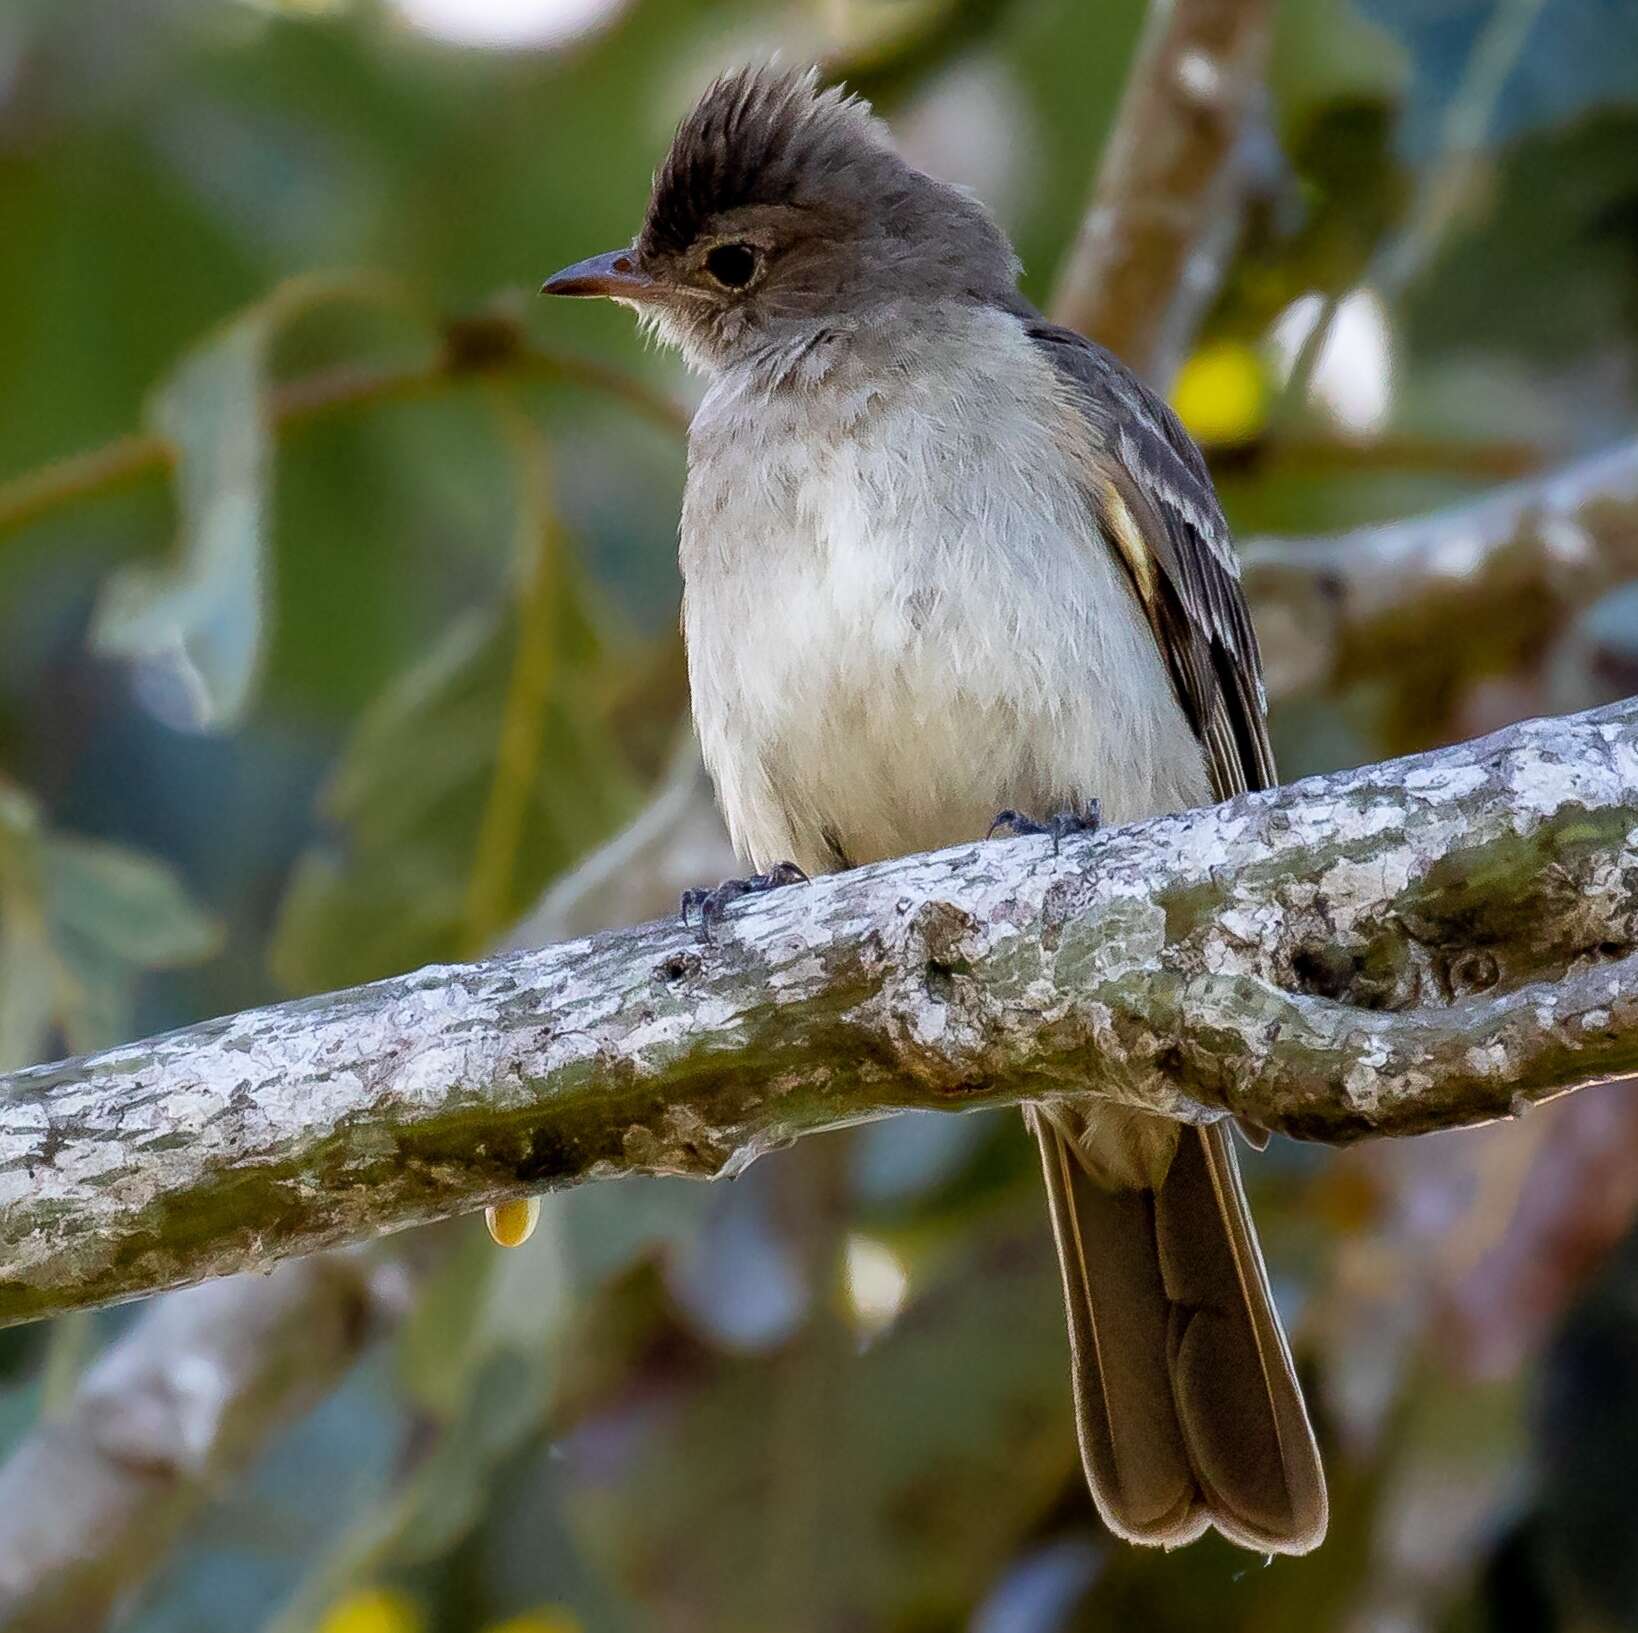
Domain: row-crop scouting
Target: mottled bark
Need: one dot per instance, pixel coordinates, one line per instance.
(1165, 202)
(1415, 945)
(1504, 572)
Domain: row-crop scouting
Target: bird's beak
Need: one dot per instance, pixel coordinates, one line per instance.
(613, 275)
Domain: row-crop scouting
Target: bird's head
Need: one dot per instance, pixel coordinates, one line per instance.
(781, 218)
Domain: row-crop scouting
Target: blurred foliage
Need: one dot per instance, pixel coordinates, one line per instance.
(83, 920)
(1547, 60)
(394, 646)
(415, 779)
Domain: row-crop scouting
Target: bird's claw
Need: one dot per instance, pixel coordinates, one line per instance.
(1087, 820)
(710, 904)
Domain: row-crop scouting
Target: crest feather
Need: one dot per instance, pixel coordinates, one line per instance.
(759, 135)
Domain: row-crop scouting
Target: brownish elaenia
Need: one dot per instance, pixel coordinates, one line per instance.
(945, 559)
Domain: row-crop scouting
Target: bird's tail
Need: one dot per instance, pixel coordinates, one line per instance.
(1186, 1403)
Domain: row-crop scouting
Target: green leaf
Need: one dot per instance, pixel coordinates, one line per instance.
(496, 1395)
(80, 919)
(481, 1301)
(441, 1343)
(197, 622)
(114, 912)
(132, 906)
(27, 991)
(504, 1408)
(474, 1359)
(609, 1227)
(409, 793)
(1484, 346)
(476, 1355)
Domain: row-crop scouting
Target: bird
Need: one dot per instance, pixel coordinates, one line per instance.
(947, 563)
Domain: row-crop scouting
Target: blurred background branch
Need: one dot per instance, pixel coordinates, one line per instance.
(1166, 204)
(91, 1499)
(1510, 568)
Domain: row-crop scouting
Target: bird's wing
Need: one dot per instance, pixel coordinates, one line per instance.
(1186, 1400)
(1156, 505)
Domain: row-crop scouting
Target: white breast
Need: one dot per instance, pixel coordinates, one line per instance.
(899, 616)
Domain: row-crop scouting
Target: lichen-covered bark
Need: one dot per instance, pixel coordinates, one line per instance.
(1501, 573)
(1413, 945)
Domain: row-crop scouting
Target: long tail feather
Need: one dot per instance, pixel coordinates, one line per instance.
(1186, 1402)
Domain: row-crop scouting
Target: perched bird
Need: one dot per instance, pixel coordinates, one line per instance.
(944, 559)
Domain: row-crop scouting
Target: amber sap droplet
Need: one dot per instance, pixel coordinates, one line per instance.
(513, 1223)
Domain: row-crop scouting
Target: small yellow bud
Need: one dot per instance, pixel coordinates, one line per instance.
(1221, 393)
(548, 1619)
(373, 1610)
(513, 1223)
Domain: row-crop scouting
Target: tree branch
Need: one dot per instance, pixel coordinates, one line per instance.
(1168, 184)
(1379, 599)
(1421, 944)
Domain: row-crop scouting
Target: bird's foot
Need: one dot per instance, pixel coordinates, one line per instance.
(1085, 820)
(710, 904)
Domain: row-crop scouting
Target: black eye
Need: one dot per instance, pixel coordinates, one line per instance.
(732, 265)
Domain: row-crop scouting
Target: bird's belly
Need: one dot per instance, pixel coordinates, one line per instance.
(899, 757)
(857, 710)
(894, 638)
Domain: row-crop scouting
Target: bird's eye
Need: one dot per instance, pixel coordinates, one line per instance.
(732, 265)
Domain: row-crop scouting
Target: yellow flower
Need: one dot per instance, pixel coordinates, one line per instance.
(1221, 393)
(548, 1619)
(374, 1610)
